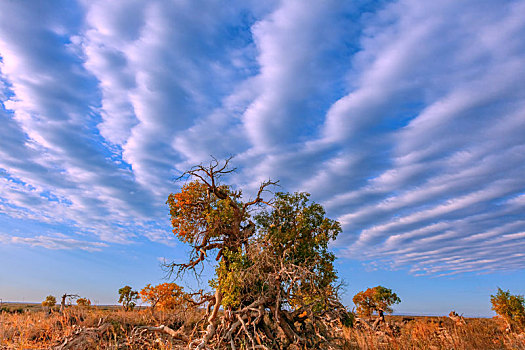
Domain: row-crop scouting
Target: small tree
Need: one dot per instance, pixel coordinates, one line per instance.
(165, 296)
(83, 302)
(378, 299)
(50, 301)
(510, 307)
(127, 297)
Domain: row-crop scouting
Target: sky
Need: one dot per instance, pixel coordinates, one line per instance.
(404, 119)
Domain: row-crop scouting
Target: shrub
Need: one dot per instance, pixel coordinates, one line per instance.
(510, 307)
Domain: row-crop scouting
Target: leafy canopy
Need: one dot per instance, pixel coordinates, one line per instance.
(510, 307)
(83, 302)
(50, 301)
(165, 296)
(127, 297)
(296, 233)
(378, 299)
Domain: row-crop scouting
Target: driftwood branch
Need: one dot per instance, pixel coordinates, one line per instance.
(458, 319)
(178, 334)
(83, 336)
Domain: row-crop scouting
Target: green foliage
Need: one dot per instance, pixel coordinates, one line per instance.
(127, 297)
(18, 310)
(296, 233)
(292, 238)
(198, 215)
(229, 277)
(50, 301)
(378, 299)
(348, 319)
(510, 307)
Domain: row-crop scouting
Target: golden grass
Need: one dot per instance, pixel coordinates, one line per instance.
(42, 330)
(436, 333)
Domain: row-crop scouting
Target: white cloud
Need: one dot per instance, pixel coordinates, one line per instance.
(404, 118)
(57, 242)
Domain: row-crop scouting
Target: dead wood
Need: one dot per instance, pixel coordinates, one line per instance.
(63, 301)
(84, 336)
(458, 319)
(177, 334)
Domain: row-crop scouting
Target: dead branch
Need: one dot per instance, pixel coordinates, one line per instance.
(458, 320)
(63, 301)
(83, 336)
(178, 334)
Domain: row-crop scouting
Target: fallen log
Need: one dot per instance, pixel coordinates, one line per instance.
(83, 336)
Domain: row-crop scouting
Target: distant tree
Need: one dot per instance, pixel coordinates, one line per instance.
(510, 307)
(83, 302)
(63, 300)
(127, 297)
(378, 299)
(50, 301)
(165, 296)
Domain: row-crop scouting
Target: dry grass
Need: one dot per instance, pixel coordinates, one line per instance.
(436, 333)
(41, 330)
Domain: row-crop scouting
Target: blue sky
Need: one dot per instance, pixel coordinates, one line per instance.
(405, 119)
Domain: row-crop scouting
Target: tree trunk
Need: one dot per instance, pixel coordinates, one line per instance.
(63, 303)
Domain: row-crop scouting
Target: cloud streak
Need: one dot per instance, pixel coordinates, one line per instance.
(404, 119)
(58, 242)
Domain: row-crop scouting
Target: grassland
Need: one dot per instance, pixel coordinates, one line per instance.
(29, 326)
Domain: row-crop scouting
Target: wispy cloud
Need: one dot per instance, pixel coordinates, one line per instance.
(57, 242)
(405, 119)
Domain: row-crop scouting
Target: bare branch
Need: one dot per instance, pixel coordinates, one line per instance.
(262, 188)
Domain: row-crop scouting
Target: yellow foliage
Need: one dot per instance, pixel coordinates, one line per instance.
(165, 296)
